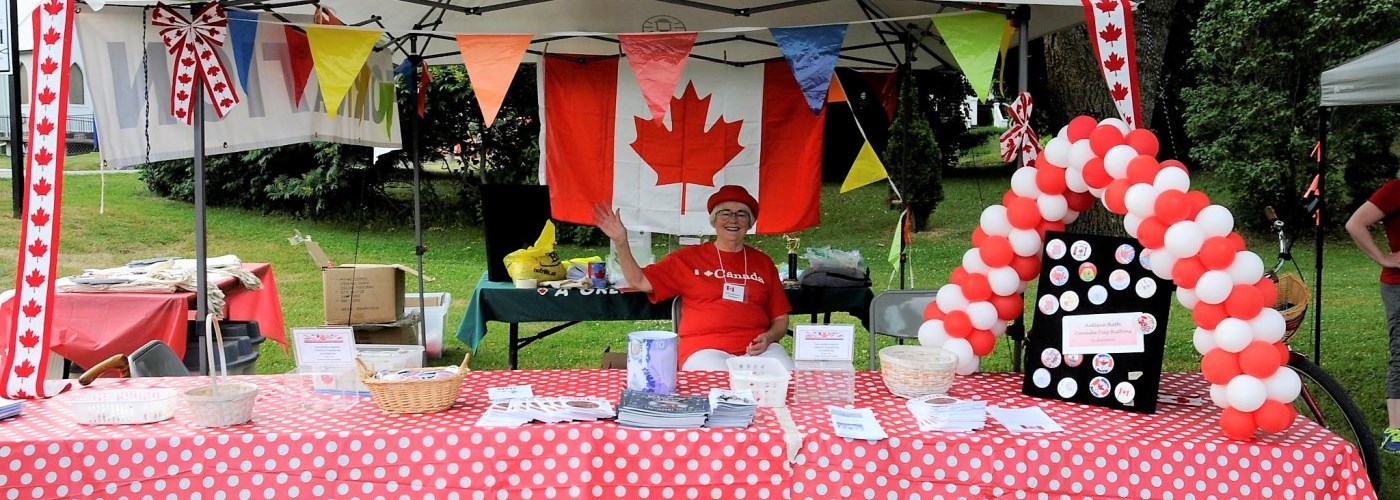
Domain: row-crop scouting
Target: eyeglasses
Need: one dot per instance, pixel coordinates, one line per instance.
(731, 214)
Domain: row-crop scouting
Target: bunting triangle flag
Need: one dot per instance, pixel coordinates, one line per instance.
(867, 169)
(838, 92)
(243, 34)
(895, 242)
(491, 62)
(299, 51)
(386, 101)
(657, 60)
(1007, 34)
(339, 53)
(811, 51)
(974, 39)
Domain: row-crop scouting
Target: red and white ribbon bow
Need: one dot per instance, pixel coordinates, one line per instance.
(193, 46)
(1020, 138)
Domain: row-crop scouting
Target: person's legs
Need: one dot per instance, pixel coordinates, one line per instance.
(707, 359)
(1390, 295)
(777, 352)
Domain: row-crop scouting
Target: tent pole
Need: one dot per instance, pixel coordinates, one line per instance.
(16, 120)
(418, 248)
(1322, 118)
(201, 278)
(1022, 18)
(909, 42)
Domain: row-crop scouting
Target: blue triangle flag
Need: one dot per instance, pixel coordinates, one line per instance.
(811, 52)
(408, 71)
(243, 34)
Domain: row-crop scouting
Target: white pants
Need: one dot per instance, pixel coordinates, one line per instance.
(713, 359)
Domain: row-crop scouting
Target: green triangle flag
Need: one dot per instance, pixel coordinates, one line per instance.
(386, 102)
(866, 169)
(974, 39)
(894, 244)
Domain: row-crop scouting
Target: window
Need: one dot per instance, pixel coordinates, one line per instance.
(75, 86)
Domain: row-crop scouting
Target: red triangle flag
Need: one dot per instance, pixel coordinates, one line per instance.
(657, 60)
(300, 49)
(491, 62)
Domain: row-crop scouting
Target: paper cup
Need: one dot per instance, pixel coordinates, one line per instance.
(526, 283)
(651, 361)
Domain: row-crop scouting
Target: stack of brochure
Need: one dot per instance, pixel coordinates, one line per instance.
(517, 412)
(938, 412)
(661, 411)
(10, 408)
(731, 408)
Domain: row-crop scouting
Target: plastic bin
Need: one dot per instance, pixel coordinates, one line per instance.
(824, 382)
(766, 377)
(346, 379)
(434, 318)
(241, 341)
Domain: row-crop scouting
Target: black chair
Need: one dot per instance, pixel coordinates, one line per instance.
(899, 314)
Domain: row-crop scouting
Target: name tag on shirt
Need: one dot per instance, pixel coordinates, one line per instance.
(734, 292)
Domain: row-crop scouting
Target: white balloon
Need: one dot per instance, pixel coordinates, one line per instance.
(1246, 393)
(994, 221)
(1217, 396)
(1057, 151)
(1004, 281)
(967, 361)
(1247, 269)
(1283, 386)
(1216, 220)
(932, 333)
(950, 298)
(1023, 183)
(1116, 161)
(1080, 153)
(1269, 325)
(1172, 178)
(998, 328)
(1214, 287)
(1140, 200)
(1023, 287)
(1097, 192)
(1070, 217)
(1187, 297)
(1116, 122)
(1025, 242)
(1162, 263)
(1233, 335)
(1184, 239)
(972, 261)
(1063, 132)
(1074, 180)
(1053, 207)
(1203, 339)
(1131, 223)
(982, 314)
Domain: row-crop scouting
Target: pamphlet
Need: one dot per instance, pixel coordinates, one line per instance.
(497, 394)
(824, 342)
(328, 346)
(1019, 420)
(856, 423)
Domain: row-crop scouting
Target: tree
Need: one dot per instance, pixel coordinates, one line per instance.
(914, 157)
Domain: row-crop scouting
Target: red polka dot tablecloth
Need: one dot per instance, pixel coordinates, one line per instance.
(1177, 453)
(362, 452)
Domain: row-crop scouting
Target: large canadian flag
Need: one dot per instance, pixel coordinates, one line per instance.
(749, 126)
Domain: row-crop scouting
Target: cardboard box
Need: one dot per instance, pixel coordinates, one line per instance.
(401, 332)
(363, 293)
(614, 359)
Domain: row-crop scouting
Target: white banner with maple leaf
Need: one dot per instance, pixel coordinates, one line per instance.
(26, 358)
(1110, 24)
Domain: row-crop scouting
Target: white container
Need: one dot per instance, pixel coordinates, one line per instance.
(346, 379)
(123, 406)
(824, 382)
(433, 318)
(766, 377)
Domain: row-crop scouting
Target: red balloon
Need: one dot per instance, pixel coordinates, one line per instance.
(1283, 353)
(1259, 359)
(1049, 225)
(1050, 179)
(1268, 291)
(958, 276)
(1095, 175)
(1143, 169)
(1218, 365)
(1023, 213)
(1080, 202)
(1237, 424)
(996, 251)
(982, 342)
(1275, 416)
(1174, 163)
(1217, 253)
(976, 288)
(1040, 159)
(977, 235)
(1198, 201)
(1152, 233)
(1007, 197)
(1080, 128)
(1113, 197)
(957, 324)
(1143, 140)
(1208, 316)
(932, 312)
(1027, 268)
(1104, 138)
(1171, 207)
(1008, 307)
(1187, 272)
(1236, 241)
(1244, 302)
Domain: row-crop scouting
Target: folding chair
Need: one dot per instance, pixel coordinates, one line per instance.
(899, 314)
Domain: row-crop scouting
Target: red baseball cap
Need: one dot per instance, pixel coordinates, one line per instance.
(733, 193)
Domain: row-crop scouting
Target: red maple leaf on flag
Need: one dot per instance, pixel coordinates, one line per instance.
(188, 61)
(206, 54)
(213, 71)
(1111, 33)
(225, 102)
(53, 7)
(1107, 5)
(219, 87)
(43, 157)
(42, 187)
(1119, 91)
(48, 66)
(44, 127)
(185, 78)
(51, 37)
(31, 309)
(190, 48)
(180, 113)
(21, 394)
(38, 248)
(29, 339)
(24, 369)
(47, 96)
(40, 218)
(687, 153)
(1114, 62)
(182, 95)
(34, 279)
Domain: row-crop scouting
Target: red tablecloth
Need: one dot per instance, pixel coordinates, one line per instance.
(90, 327)
(1177, 453)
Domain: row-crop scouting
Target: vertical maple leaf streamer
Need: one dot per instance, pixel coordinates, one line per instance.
(26, 359)
(1110, 25)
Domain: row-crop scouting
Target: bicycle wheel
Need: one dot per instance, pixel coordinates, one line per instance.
(1324, 401)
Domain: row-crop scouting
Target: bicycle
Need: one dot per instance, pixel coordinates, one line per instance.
(1322, 399)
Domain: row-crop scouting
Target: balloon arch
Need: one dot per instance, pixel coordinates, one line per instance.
(1189, 241)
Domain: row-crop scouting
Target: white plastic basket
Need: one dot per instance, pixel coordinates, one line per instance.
(766, 377)
(123, 406)
(229, 403)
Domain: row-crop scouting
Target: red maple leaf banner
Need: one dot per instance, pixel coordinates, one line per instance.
(48, 66)
(43, 157)
(34, 279)
(44, 127)
(1111, 33)
(1118, 91)
(1110, 28)
(29, 339)
(1107, 5)
(25, 369)
(42, 187)
(53, 7)
(38, 248)
(47, 96)
(51, 37)
(31, 309)
(1114, 62)
(687, 153)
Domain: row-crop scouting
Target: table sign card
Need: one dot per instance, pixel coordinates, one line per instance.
(823, 342)
(507, 393)
(1100, 324)
(328, 346)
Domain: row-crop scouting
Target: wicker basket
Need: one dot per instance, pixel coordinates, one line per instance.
(1292, 302)
(230, 404)
(911, 371)
(414, 396)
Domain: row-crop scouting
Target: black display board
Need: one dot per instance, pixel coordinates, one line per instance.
(513, 216)
(1095, 293)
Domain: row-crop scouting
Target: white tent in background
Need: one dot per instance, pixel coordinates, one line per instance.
(1372, 78)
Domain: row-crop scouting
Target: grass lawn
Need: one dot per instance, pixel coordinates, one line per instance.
(137, 225)
(90, 161)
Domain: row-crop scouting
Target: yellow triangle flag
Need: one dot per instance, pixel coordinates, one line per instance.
(895, 243)
(1006, 35)
(491, 62)
(836, 93)
(974, 38)
(866, 169)
(338, 54)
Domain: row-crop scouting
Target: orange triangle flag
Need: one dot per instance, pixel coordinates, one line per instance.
(491, 62)
(658, 59)
(837, 93)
